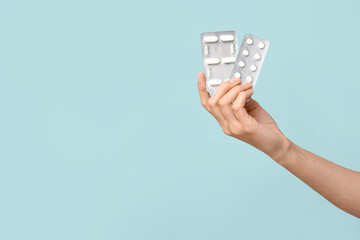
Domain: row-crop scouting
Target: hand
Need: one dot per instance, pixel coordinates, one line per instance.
(246, 121)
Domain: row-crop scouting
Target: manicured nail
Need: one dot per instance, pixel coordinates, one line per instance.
(235, 80)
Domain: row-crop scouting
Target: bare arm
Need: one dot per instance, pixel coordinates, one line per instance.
(249, 122)
(341, 186)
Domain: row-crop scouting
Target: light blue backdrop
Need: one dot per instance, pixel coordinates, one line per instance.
(103, 137)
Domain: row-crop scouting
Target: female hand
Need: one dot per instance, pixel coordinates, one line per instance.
(246, 121)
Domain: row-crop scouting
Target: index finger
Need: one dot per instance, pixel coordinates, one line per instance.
(204, 95)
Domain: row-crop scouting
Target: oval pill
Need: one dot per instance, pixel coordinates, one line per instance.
(242, 64)
(257, 56)
(212, 61)
(227, 38)
(249, 79)
(249, 41)
(245, 52)
(253, 68)
(232, 48)
(261, 45)
(229, 59)
(237, 75)
(206, 50)
(210, 39)
(215, 82)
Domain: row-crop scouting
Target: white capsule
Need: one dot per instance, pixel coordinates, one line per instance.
(215, 82)
(232, 48)
(206, 50)
(227, 38)
(237, 75)
(229, 59)
(249, 79)
(261, 45)
(249, 41)
(245, 52)
(253, 68)
(257, 56)
(208, 72)
(210, 39)
(242, 64)
(212, 61)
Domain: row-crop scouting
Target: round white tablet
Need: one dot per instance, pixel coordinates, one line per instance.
(253, 68)
(249, 79)
(261, 45)
(249, 41)
(242, 64)
(257, 56)
(245, 52)
(237, 75)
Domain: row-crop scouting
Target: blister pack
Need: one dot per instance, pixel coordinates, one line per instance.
(219, 50)
(250, 59)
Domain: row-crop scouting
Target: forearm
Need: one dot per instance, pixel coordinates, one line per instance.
(339, 185)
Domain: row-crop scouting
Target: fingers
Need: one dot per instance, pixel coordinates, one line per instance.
(210, 107)
(223, 89)
(230, 97)
(204, 95)
(226, 102)
(238, 106)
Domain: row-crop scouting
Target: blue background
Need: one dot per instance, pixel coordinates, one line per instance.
(103, 136)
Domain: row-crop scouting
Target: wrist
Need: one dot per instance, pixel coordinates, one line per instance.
(283, 152)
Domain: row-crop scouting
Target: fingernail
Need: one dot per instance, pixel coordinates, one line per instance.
(235, 80)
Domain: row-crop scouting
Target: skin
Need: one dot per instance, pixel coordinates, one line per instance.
(249, 122)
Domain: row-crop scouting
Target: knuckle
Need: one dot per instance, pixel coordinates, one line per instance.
(222, 103)
(242, 97)
(225, 85)
(212, 103)
(243, 131)
(246, 131)
(227, 131)
(236, 107)
(238, 87)
(239, 131)
(204, 104)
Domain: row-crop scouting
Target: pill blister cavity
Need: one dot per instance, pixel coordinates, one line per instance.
(210, 39)
(229, 59)
(253, 68)
(249, 41)
(233, 49)
(207, 50)
(261, 45)
(257, 56)
(212, 61)
(237, 75)
(227, 38)
(249, 79)
(215, 82)
(245, 52)
(241, 64)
